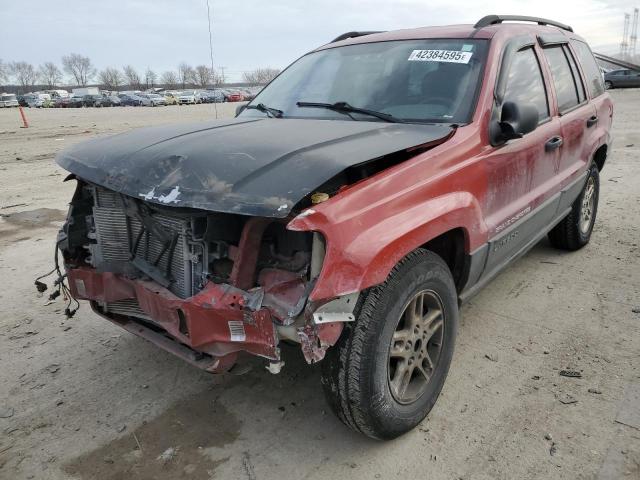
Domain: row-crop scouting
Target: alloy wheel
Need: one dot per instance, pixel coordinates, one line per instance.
(588, 203)
(416, 346)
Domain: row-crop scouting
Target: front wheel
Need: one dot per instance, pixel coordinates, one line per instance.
(574, 231)
(385, 373)
(608, 85)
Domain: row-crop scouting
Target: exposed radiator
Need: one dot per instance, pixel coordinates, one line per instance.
(116, 235)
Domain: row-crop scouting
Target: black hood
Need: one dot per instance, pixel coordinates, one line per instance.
(259, 167)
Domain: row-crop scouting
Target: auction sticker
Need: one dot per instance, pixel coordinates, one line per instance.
(450, 56)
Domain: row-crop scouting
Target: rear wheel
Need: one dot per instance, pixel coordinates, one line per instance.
(574, 231)
(388, 368)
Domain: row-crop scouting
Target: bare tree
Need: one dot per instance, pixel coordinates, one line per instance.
(203, 75)
(131, 76)
(186, 74)
(169, 79)
(50, 74)
(24, 74)
(150, 78)
(4, 72)
(111, 78)
(260, 76)
(79, 67)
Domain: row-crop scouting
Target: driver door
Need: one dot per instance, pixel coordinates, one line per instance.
(522, 173)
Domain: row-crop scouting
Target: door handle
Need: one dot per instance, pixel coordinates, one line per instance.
(592, 121)
(553, 143)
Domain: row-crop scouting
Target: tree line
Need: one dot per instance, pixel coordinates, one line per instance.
(81, 72)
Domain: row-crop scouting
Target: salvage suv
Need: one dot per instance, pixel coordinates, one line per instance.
(374, 185)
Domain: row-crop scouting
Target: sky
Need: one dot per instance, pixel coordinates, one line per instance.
(255, 33)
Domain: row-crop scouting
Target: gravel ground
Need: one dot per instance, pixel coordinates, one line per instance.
(83, 399)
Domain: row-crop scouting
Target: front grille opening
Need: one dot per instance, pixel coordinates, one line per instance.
(182, 323)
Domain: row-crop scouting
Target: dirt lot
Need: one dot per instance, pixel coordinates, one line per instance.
(82, 399)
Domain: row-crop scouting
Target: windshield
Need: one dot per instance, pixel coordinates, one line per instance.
(432, 80)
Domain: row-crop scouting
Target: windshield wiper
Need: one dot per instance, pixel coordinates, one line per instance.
(271, 112)
(344, 107)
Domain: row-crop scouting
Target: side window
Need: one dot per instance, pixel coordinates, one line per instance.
(563, 81)
(590, 67)
(582, 95)
(524, 83)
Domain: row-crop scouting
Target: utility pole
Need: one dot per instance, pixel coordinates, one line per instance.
(624, 45)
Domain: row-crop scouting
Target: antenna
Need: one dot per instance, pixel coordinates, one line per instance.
(634, 35)
(215, 103)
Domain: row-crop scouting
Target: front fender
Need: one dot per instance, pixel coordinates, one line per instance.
(362, 249)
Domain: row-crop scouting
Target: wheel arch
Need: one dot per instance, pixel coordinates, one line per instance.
(600, 156)
(359, 258)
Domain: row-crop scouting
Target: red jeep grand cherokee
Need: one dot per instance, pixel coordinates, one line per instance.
(370, 188)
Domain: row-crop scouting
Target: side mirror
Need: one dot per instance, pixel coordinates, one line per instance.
(515, 122)
(240, 109)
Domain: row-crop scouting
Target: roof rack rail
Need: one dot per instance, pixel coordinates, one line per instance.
(496, 19)
(344, 36)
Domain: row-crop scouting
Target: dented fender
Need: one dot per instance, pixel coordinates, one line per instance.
(362, 250)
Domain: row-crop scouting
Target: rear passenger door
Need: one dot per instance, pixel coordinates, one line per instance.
(577, 118)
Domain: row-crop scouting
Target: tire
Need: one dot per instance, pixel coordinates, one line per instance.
(359, 372)
(574, 231)
(608, 85)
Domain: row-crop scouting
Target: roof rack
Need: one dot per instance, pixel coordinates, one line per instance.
(496, 19)
(344, 36)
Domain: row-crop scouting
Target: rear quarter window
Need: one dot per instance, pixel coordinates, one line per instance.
(590, 68)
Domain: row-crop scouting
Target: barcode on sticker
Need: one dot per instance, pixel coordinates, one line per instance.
(450, 56)
(236, 331)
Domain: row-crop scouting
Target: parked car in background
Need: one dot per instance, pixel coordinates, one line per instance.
(75, 102)
(107, 101)
(114, 100)
(623, 78)
(131, 100)
(61, 102)
(212, 96)
(38, 100)
(154, 99)
(234, 96)
(247, 95)
(22, 101)
(171, 98)
(8, 100)
(92, 100)
(188, 97)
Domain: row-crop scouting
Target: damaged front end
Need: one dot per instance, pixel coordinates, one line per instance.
(203, 285)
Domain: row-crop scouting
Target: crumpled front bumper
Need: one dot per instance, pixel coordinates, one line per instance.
(207, 330)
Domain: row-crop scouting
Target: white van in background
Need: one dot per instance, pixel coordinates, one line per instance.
(8, 100)
(57, 93)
